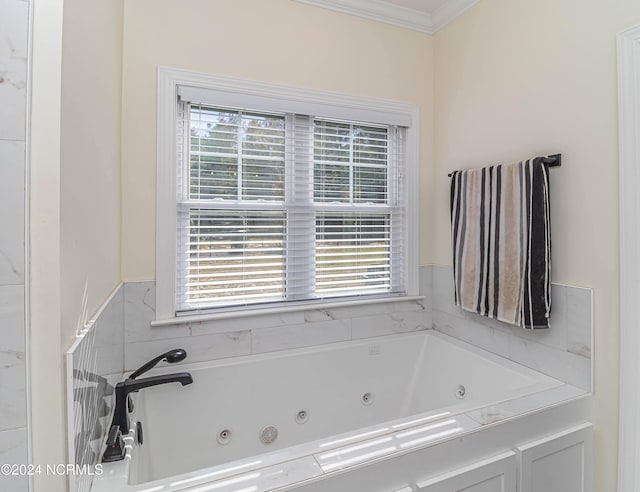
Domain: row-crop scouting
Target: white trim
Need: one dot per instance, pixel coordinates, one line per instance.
(284, 103)
(166, 212)
(390, 13)
(170, 79)
(412, 208)
(27, 247)
(253, 88)
(258, 311)
(70, 402)
(380, 11)
(629, 135)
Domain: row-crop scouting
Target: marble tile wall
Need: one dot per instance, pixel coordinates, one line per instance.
(253, 334)
(563, 351)
(14, 32)
(95, 363)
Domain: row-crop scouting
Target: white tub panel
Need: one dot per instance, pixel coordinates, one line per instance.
(495, 474)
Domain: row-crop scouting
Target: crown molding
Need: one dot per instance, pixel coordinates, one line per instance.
(389, 13)
(449, 11)
(380, 11)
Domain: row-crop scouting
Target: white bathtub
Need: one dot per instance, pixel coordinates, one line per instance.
(335, 408)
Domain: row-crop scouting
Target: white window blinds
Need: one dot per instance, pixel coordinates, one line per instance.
(277, 208)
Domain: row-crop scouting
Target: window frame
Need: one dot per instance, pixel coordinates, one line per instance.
(228, 92)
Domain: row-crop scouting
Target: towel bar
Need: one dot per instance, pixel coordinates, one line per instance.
(554, 160)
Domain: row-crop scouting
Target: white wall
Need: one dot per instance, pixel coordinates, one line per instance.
(519, 78)
(277, 41)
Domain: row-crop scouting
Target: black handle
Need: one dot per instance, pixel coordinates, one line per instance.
(115, 446)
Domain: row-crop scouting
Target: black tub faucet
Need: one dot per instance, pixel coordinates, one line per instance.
(132, 385)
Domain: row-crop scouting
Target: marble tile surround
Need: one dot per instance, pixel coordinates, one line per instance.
(14, 26)
(13, 450)
(13, 399)
(95, 362)
(12, 191)
(563, 351)
(253, 334)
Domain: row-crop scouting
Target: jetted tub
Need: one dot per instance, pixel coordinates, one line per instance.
(285, 419)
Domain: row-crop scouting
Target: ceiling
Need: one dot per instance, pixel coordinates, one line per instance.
(420, 15)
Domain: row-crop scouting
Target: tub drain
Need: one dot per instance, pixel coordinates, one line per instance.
(268, 434)
(367, 399)
(224, 436)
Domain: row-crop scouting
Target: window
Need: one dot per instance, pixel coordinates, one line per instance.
(282, 202)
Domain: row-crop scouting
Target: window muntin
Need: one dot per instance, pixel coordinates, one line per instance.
(341, 238)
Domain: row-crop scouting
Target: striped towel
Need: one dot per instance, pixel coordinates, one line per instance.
(502, 242)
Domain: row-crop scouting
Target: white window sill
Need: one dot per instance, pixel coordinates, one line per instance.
(196, 318)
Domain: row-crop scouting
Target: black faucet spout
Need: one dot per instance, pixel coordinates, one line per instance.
(123, 388)
(133, 385)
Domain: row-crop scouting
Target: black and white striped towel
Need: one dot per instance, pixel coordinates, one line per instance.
(502, 242)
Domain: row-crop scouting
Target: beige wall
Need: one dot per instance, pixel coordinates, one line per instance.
(519, 78)
(277, 41)
(74, 230)
(46, 371)
(90, 157)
